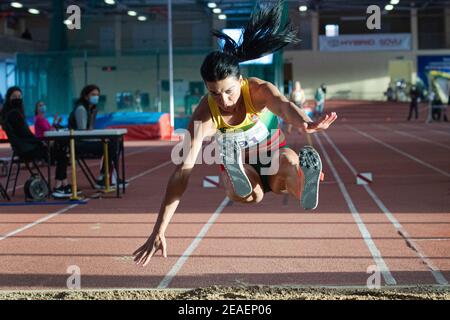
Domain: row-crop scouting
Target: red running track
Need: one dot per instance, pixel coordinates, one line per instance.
(399, 223)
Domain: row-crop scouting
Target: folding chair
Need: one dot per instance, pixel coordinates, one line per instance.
(81, 157)
(3, 192)
(81, 160)
(18, 161)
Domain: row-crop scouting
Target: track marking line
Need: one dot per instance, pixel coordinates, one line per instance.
(194, 244)
(376, 255)
(406, 134)
(438, 276)
(426, 129)
(43, 219)
(52, 215)
(150, 170)
(403, 153)
(433, 239)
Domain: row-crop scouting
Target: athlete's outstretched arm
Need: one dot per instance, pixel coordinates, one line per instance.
(269, 95)
(200, 127)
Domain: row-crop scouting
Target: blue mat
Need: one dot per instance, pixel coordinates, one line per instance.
(126, 118)
(105, 120)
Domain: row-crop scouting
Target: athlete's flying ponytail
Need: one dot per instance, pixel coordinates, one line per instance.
(264, 34)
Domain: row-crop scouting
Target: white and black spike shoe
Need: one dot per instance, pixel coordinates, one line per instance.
(232, 162)
(311, 166)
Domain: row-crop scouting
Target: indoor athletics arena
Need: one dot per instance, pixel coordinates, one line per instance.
(228, 149)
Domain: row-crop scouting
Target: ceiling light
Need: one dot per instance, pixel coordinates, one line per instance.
(17, 5)
(222, 16)
(67, 22)
(111, 2)
(33, 11)
(302, 8)
(142, 18)
(132, 13)
(389, 7)
(212, 5)
(395, 1)
(217, 10)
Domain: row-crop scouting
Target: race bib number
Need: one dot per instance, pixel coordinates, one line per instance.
(248, 138)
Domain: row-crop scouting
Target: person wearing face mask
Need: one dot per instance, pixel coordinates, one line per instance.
(83, 117)
(41, 124)
(320, 99)
(27, 145)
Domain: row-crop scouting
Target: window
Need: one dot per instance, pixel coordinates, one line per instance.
(331, 30)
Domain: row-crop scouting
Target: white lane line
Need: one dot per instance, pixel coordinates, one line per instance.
(433, 239)
(43, 219)
(446, 174)
(90, 166)
(182, 260)
(438, 276)
(428, 128)
(443, 126)
(376, 255)
(406, 134)
(397, 177)
(47, 217)
(149, 170)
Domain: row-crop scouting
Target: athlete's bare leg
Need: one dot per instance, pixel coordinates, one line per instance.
(288, 178)
(257, 193)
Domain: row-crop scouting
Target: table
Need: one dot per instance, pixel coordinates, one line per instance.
(105, 135)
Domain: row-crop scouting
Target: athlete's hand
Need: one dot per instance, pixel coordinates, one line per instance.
(322, 124)
(154, 243)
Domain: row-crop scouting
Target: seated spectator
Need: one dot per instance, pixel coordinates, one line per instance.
(27, 145)
(83, 117)
(41, 123)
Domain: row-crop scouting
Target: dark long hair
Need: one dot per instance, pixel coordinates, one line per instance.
(8, 105)
(84, 92)
(263, 34)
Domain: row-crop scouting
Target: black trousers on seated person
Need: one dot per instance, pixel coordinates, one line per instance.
(94, 149)
(58, 152)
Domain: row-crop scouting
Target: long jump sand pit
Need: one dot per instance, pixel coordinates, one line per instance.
(240, 293)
